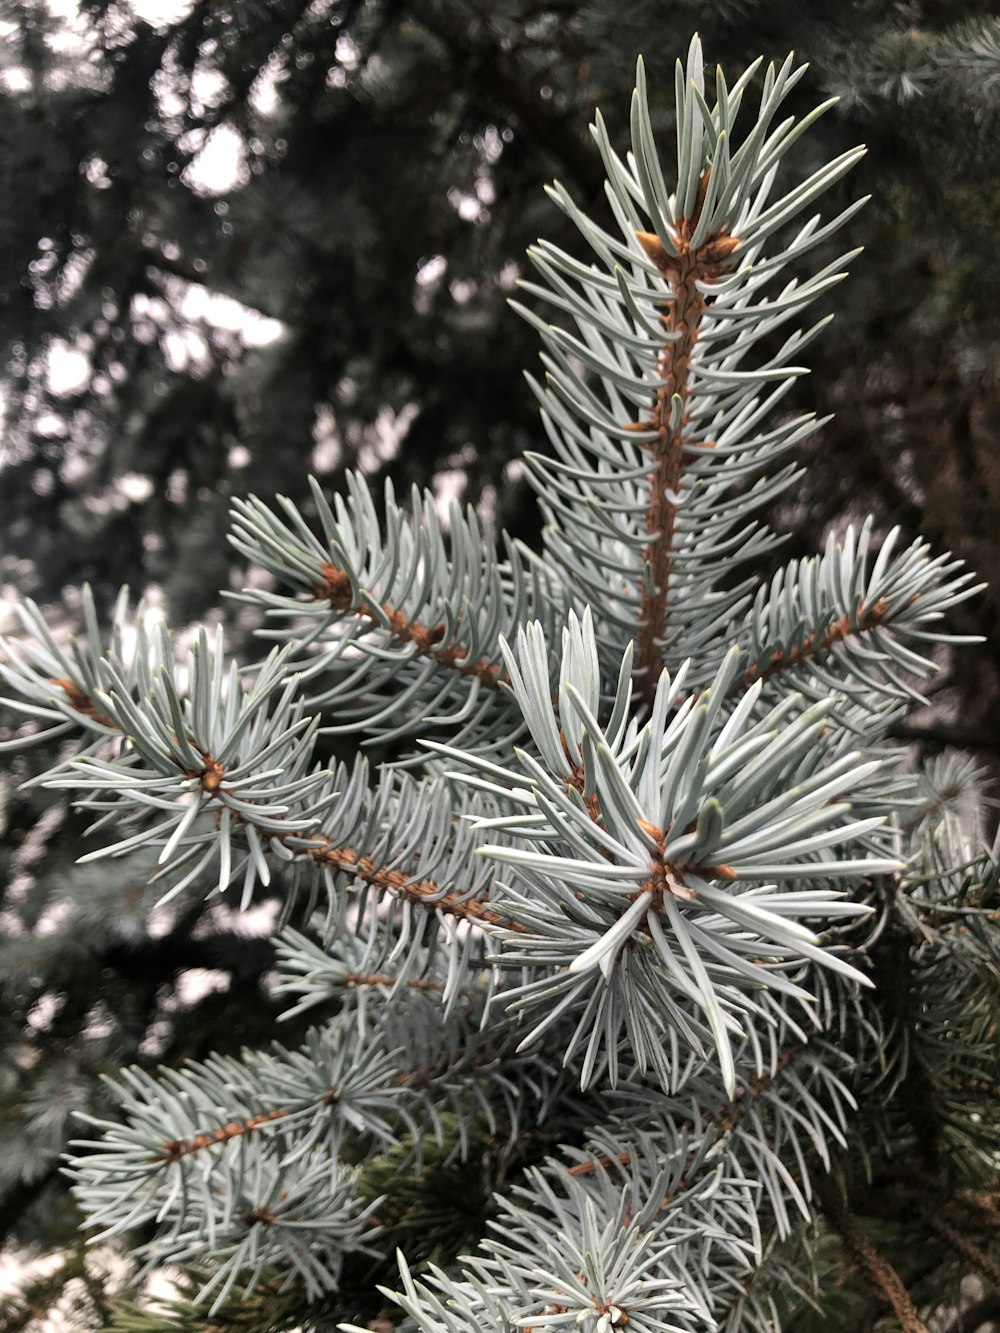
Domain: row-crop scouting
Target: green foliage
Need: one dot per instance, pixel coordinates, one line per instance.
(265, 1309)
(647, 868)
(430, 1211)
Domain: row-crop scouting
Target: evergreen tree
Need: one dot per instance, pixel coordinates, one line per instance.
(120, 261)
(389, 157)
(649, 978)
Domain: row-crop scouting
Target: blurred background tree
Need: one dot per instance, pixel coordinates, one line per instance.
(242, 241)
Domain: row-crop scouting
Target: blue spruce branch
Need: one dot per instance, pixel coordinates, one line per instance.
(645, 868)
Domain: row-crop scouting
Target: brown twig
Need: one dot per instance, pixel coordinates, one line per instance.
(866, 618)
(682, 320)
(877, 1269)
(81, 703)
(174, 1149)
(324, 850)
(336, 590)
(982, 1263)
(424, 891)
(362, 979)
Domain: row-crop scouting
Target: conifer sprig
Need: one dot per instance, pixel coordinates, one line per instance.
(398, 628)
(655, 874)
(666, 443)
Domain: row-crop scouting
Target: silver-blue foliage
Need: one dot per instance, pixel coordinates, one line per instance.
(642, 833)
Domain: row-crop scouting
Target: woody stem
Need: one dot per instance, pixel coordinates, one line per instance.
(860, 1251)
(683, 318)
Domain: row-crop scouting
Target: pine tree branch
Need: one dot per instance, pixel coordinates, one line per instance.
(387, 980)
(727, 1123)
(415, 1079)
(426, 892)
(866, 1313)
(863, 1255)
(174, 1149)
(982, 1263)
(865, 620)
(815, 647)
(236, 1164)
(392, 648)
(318, 847)
(985, 1202)
(681, 320)
(336, 589)
(724, 1123)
